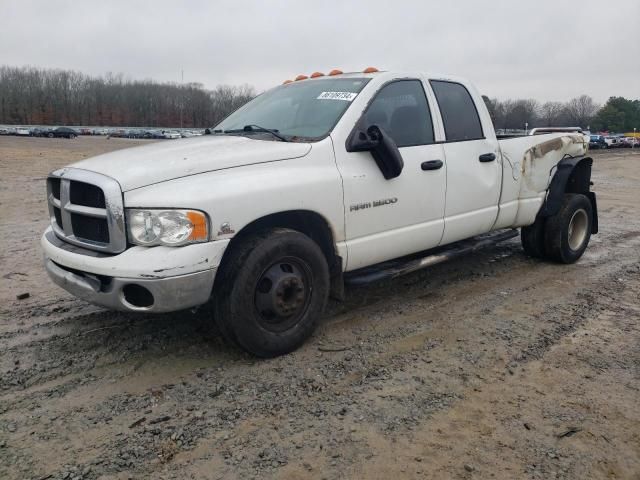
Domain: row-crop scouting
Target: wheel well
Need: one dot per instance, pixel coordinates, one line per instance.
(311, 224)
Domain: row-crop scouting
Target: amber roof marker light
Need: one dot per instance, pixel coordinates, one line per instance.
(317, 74)
(301, 77)
(335, 71)
(287, 81)
(370, 70)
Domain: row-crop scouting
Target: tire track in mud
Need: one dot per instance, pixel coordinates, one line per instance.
(375, 367)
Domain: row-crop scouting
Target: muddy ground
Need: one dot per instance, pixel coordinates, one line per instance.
(490, 366)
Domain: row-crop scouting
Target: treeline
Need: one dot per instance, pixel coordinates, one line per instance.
(617, 115)
(36, 96)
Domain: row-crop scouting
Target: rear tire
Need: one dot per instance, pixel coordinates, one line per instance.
(567, 233)
(272, 290)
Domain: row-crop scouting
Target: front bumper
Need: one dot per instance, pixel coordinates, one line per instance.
(135, 294)
(143, 279)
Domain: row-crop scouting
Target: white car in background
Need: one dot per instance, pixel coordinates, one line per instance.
(171, 134)
(23, 132)
(613, 142)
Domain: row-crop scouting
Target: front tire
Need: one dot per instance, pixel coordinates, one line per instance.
(272, 290)
(567, 233)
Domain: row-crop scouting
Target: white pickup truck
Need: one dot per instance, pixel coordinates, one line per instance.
(317, 182)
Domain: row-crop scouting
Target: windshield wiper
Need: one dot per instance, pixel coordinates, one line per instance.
(257, 128)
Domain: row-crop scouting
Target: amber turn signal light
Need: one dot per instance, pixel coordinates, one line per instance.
(199, 222)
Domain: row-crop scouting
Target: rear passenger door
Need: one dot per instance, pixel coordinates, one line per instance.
(474, 175)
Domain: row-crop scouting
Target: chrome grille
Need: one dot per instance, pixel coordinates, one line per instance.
(86, 209)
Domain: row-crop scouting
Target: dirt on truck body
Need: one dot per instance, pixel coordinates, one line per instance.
(493, 365)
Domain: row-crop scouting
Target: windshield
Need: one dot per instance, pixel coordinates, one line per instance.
(305, 110)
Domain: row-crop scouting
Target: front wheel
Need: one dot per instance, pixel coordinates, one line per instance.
(271, 292)
(567, 233)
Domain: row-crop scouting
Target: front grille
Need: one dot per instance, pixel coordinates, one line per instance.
(55, 187)
(58, 216)
(90, 228)
(86, 194)
(86, 209)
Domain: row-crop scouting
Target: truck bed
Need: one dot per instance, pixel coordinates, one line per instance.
(533, 169)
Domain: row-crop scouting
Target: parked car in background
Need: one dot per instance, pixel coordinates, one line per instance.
(4, 131)
(63, 132)
(135, 134)
(171, 134)
(40, 131)
(153, 134)
(626, 142)
(23, 132)
(597, 142)
(612, 142)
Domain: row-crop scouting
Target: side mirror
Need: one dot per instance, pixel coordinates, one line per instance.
(382, 147)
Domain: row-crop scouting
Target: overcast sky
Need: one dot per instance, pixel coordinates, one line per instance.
(543, 49)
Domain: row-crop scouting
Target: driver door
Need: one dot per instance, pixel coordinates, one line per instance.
(386, 219)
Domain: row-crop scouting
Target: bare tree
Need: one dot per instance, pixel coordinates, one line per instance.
(581, 110)
(36, 96)
(550, 113)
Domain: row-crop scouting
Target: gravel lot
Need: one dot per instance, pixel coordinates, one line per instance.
(490, 366)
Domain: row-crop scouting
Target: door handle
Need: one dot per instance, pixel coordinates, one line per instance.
(432, 165)
(487, 157)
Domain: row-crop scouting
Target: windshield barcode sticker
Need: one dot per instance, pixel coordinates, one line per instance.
(346, 96)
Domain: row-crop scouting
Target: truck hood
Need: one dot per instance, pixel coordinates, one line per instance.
(170, 159)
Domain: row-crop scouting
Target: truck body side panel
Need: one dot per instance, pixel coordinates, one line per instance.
(528, 165)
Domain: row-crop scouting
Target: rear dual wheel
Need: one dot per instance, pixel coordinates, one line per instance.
(562, 237)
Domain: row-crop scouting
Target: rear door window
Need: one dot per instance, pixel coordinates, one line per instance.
(459, 113)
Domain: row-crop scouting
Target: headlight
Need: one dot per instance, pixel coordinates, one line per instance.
(166, 227)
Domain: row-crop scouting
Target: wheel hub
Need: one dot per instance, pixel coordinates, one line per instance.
(281, 294)
(578, 226)
(289, 295)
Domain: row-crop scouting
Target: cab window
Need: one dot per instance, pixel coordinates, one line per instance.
(459, 113)
(401, 109)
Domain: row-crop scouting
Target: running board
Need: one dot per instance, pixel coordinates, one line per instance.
(396, 268)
